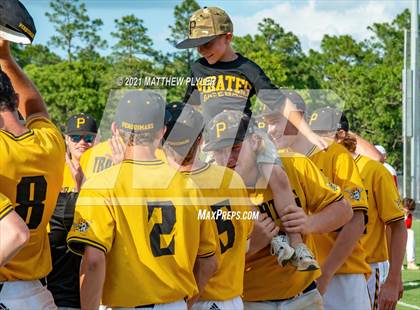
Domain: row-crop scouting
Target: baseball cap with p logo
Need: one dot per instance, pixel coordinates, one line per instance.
(328, 120)
(81, 124)
(226, 129)
(205, 25)
(16, 24)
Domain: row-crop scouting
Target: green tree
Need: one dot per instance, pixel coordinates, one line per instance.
(183, 59)
(279, 54)
(367, 76)
(76, 34)
(36, 54)
(133, 40)
(69, 88)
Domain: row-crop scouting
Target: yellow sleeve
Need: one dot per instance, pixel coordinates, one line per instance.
(93, 222)
(5, 206)
(208, 239)
(47, 127)
(388, 199)
(322, 191)
(348, 178)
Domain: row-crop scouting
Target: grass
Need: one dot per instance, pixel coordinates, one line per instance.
(411, 278)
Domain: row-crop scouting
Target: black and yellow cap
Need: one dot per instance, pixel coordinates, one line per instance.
(16, 24)
(205, 25)
(226, 129)
(140, 112)
(327, 120)
(81, 124)
(185, 128)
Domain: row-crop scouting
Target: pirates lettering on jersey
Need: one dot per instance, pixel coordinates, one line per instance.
(101, 163)
(223, 86)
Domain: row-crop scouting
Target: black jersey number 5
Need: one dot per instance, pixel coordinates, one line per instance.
(167, 210)
(224, 225)
(30, 197)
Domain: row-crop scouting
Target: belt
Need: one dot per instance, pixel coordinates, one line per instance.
(145, 306)
(311, 287)
(1, 287)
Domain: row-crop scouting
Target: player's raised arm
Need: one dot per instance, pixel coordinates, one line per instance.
(30, 101)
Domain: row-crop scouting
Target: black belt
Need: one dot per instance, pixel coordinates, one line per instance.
(145, 306)
(311, 287)
(1, 287)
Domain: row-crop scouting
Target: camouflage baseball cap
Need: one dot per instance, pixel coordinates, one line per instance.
(226, 129)
(205, 25)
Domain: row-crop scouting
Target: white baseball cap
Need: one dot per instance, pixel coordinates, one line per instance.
(381, 149)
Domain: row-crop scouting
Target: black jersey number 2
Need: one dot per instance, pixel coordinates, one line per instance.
(167, 210)
(30, 197)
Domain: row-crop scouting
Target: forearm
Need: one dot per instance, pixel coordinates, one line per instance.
(344, 244)
(30, 100)
(92, 277)
(332, 217)
(397, 250)
(14, 234)
(204, 269)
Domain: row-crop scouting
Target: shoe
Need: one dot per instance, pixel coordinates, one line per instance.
(412, 266)
(303, 259)
(280, 247)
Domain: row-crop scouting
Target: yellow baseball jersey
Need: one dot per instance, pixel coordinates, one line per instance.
(264, 278)
(31, 176)
(223, 189)
(385, 206)
(94, 160)
(68, 182)
(338, 165)
(5, 206)
(140, 214)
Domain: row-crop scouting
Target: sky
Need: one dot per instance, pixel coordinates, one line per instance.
(310, 20)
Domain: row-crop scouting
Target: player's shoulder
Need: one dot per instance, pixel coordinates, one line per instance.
(365, 163)
(230, 177)
(104, 179)
(293, 159)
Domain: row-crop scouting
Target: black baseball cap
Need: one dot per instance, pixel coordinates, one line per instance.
(16, 24)
(326, 119)
(344, 123)
(141, 112)
(184, 130)
(172, 112)
(81, 124)
(293, 96)
(226, 129)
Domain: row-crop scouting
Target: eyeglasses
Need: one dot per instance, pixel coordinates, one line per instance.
(86, 138)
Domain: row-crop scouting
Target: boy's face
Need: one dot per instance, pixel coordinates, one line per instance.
(281, 131)
(214, 50)
(240, 157)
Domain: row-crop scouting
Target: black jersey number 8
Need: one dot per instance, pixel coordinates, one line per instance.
(30, 197)
(168, 222)
(224, 226)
